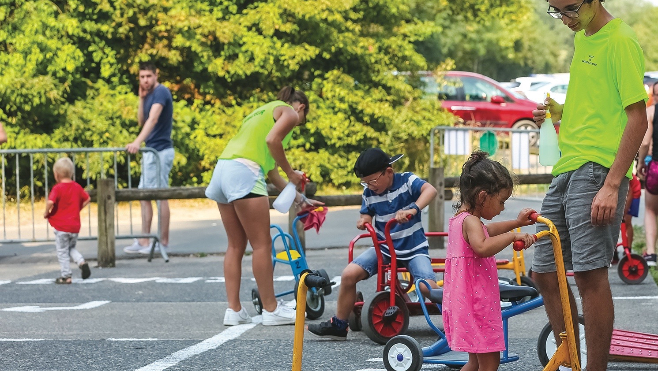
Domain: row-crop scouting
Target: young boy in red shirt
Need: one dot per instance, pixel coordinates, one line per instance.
(63, 207)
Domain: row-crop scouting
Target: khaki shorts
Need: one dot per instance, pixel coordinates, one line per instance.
(568, 204)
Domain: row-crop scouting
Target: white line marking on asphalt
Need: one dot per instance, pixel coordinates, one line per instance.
(635, 298)
(204, 346)
(4, 282)
(133, 280)
(178, 280)
(215, 280)
(38, 309)
(43, 281)
(279, 278)
(20, 340)
(88, 280)
(130, 339)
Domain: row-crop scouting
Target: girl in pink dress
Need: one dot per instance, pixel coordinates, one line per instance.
(471, 304)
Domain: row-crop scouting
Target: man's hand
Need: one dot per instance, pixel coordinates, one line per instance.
(604, 205)
(133, 147)
(539, 115)
(143, 92)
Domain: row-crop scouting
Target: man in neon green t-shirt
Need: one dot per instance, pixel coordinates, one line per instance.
(603, 121)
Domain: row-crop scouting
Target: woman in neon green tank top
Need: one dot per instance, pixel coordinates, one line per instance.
(238, 186)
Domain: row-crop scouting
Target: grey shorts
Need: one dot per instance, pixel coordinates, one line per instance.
(149, 177)
(568, 204)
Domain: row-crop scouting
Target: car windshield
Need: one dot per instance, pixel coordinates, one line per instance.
(538, 85)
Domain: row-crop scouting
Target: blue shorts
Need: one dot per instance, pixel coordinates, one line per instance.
(635, 208)
(568, 204)
(419, 266)
(149, 177)
(233, 180)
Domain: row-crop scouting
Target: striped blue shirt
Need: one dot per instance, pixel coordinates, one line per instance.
(408, 238)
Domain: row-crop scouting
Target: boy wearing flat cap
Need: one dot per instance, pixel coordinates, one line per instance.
(386, 195)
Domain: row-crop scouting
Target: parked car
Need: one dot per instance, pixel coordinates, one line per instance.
(557, 89)
(525, 84)
(477, 98)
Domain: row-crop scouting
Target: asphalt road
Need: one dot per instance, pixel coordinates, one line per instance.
(157, 316)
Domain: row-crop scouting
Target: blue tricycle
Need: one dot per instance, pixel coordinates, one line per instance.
(292, 254)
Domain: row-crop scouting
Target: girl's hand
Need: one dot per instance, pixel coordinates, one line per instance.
(528, 239)
(403, 216)
(524, 217)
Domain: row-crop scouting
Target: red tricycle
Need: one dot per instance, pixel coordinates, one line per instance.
(387, 313)
(632, 268)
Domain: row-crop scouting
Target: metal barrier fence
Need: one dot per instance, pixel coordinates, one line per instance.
(517, 149)
(95, 163)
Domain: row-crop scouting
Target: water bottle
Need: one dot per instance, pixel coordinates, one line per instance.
(549, 152)
(286, 197)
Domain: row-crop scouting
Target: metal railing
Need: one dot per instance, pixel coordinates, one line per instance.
(98, 167)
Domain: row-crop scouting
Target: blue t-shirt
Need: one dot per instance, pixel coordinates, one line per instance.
(408, 238)
(160, 137)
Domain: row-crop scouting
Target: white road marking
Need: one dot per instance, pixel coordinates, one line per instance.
(215, 280)
(4, 282)
(131, 339)
(178, 280)
(204, 346)
(43, 281)
(38, 309)
(635, 298)
(19, 340)
(133, 280)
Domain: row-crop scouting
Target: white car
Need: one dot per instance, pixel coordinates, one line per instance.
(557, 89)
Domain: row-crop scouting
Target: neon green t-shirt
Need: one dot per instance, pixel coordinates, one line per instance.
(250, 143)
(606, 76)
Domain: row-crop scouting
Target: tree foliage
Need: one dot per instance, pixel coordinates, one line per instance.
(70, 67)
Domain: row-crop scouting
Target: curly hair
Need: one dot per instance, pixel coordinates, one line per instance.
(480, 173)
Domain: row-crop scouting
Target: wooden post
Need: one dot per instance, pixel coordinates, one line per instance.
(436, 207)
(292, 214)
(106, 241)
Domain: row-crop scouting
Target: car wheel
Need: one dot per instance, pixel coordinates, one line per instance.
(528, 125)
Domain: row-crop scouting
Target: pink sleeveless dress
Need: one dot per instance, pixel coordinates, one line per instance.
(471, 301)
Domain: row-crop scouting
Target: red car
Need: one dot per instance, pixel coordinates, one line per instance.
(477, 98)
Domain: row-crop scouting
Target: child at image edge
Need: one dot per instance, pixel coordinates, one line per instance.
(63, 207)
(386, 195)
(471, 303)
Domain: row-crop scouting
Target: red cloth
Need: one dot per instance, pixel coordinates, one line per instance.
(636, 186)
(314, 218)
(68, 199)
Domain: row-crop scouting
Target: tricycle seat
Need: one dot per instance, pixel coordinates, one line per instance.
(516, 293)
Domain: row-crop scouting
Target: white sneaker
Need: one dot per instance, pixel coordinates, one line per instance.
(135, 248)
(147, 250)
(233, 318)
(282, 315)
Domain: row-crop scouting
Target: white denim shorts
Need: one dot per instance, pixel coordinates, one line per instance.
(233, 180)
(149, 177)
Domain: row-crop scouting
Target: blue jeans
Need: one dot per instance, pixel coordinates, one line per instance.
(420, 266)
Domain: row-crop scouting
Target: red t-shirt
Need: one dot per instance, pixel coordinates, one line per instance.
(68, 199)
(635, 186)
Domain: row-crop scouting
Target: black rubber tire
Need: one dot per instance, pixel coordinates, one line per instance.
(403, 353)
(373, 321)
(526, 281)
(633, 273)
(354, 319)
(314, 302)
(546, 340)
(255, 299)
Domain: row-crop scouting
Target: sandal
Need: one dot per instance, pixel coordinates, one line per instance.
(63, 280)
(85, 270)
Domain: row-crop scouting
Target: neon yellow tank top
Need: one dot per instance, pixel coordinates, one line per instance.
(250, 143)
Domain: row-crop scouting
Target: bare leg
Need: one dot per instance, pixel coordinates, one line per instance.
(547, 283)
(352, 274)
(237, 244)
(164, 222)
(650, 212)
(472, 364)
(599, 312)
(254, 215)
(488, 361)
(147, 218)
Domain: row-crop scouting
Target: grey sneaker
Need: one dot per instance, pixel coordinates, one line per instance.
(651, 259)
(134, 248)
(282, 315)
(233, 318)
(147, 250)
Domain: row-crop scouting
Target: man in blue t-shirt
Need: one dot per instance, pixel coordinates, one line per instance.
(387, 195)
(155, 115)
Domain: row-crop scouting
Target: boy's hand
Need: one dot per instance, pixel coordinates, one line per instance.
(528, 239)
(46, 214)
(524, 217)
(361, 223)
(402, 216)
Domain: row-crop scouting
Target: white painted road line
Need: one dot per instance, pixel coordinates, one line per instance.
(38, 309)
(204, 346)
(4, 282)
(635, 298)
(19, 340)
